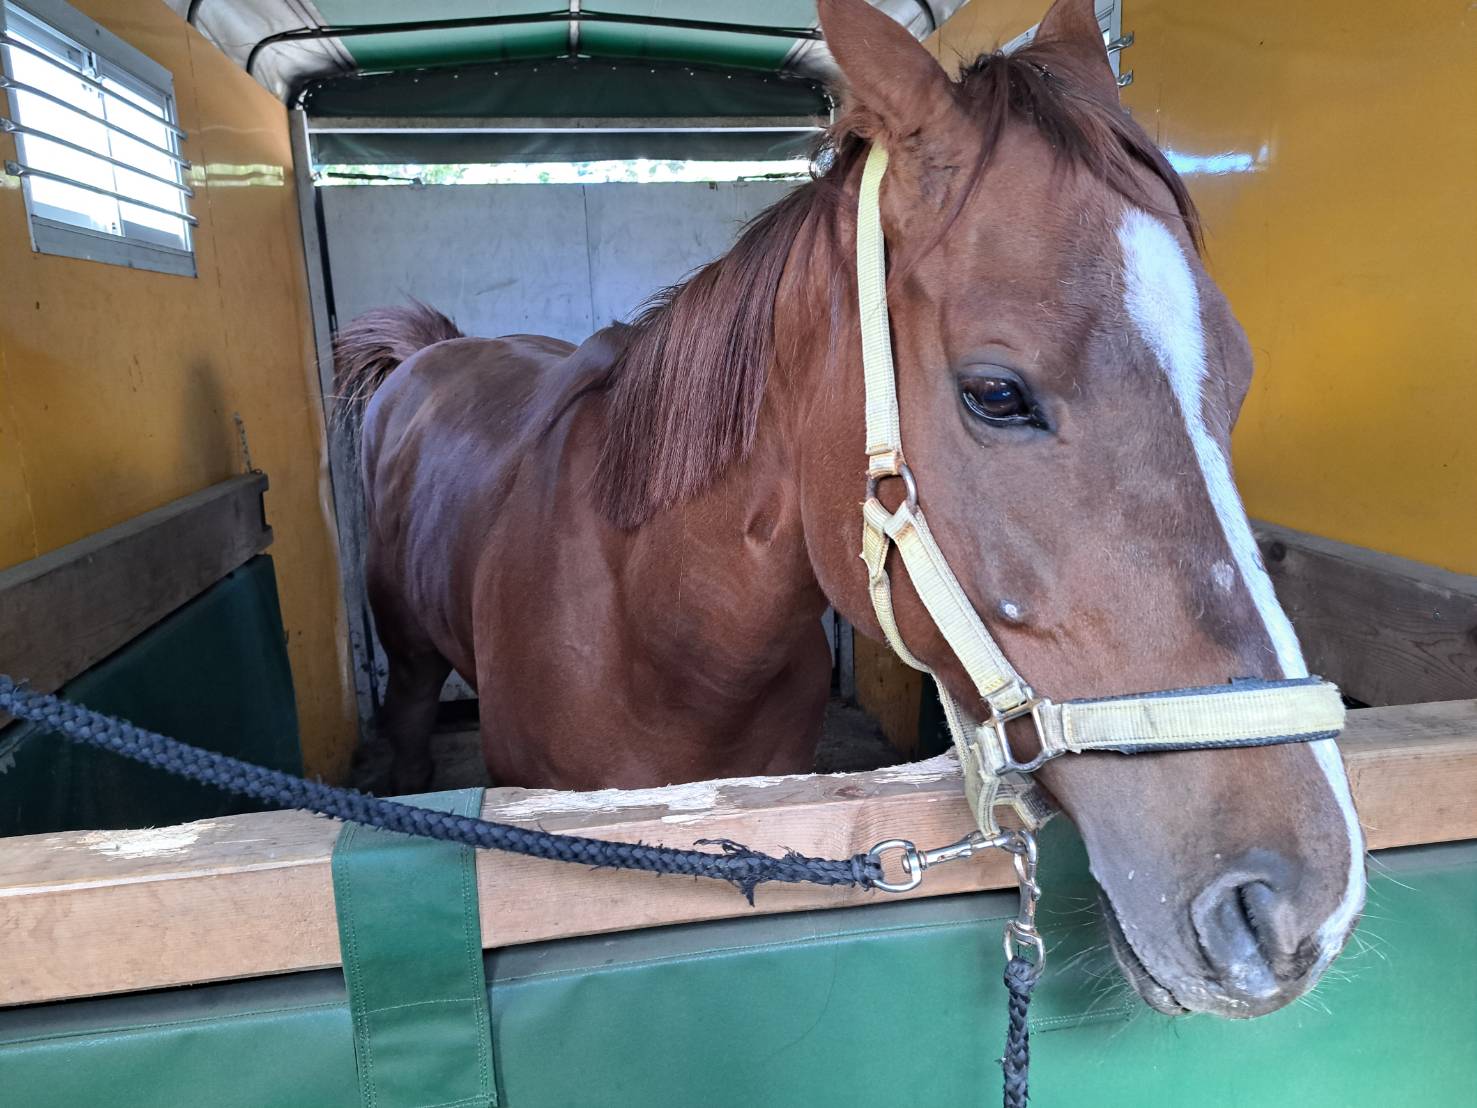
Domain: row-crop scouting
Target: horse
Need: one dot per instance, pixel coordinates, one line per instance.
(626, 546)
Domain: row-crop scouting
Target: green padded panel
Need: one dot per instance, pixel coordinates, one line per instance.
(407, 925)
(213, 673)
(890, 1005)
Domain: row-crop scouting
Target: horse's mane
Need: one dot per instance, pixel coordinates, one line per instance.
(683, 400)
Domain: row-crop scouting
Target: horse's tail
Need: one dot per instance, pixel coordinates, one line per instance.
(368, 349)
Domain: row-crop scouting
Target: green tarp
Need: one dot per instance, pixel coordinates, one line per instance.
(398, 51)
(407, 925)
(561, 89)
(214, 673)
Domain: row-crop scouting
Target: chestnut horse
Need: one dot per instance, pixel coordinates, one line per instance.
(625, 547)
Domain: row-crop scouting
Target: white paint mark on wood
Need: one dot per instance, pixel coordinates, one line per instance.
(701, 796)
(148, 842)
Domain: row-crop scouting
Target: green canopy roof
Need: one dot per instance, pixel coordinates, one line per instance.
(593, 37)
(741, 79)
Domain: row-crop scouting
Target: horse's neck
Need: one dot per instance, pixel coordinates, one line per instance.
(727, 572)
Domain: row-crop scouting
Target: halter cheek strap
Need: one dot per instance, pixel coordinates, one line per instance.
(1245, 713)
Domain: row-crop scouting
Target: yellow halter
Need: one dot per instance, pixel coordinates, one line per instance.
(1244, 713)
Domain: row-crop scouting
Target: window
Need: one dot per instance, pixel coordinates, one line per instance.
(97, 148)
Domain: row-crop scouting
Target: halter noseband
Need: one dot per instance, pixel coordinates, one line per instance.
(1243, 713)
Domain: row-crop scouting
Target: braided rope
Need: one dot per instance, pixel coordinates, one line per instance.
(741, 867)
(1020, 979)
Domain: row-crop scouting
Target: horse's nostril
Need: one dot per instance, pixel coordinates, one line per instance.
(1237, 923)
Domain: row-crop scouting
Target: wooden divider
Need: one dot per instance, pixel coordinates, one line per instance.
(1387, 630)
(110, 911)
(66, 610)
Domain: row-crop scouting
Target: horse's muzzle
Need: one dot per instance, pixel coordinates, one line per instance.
(1257, 953)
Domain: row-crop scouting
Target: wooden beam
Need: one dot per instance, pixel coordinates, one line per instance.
(71, 608)
(110, 911)
(1413, 770)
(1386, 629)
(97, 912)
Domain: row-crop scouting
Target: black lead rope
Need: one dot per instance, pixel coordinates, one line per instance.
(741, 867)
(1020, 978)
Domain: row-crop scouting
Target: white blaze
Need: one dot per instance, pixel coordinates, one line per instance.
(1162, 300)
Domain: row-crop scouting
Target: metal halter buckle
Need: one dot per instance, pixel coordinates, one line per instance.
(997, 720)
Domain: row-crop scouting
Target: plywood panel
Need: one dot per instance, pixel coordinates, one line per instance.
(271, 379)
(250, 895)
(888, 689)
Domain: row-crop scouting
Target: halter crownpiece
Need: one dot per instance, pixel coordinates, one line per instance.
(1243, 713)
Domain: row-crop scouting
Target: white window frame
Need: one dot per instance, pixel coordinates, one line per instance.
(122, 63)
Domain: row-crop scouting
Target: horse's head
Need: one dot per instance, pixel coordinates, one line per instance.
(1068, 376)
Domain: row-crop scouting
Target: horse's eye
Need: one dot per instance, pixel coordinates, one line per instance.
(998, 400)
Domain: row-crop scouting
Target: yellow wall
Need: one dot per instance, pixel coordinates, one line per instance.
(1347, 243)
(1349, 252)
(117, 387)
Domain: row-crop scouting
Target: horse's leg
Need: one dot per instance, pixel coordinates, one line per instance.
(408, 715)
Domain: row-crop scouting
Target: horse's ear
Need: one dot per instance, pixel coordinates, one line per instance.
(888, 72)
(1071, 27)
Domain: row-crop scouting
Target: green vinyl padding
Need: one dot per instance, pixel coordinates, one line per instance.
(893, 1004)
(213, 673)
(412, 951)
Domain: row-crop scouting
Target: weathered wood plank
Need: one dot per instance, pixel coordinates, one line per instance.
(1413, 769)
(66, 610)
(1386, 629)
(109, 911)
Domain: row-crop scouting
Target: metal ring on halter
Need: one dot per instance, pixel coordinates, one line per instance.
(909, 484)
